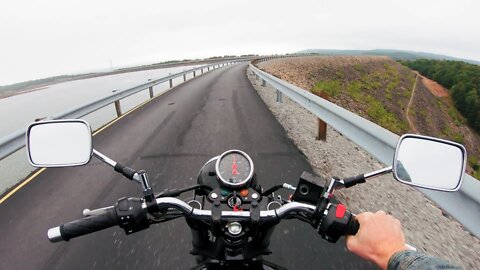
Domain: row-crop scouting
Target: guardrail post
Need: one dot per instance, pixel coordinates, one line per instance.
(208, 68)
(118, 108)
(194, 74)
(279, 96)
(264, 83)
(171, 83)
(184, 77)
(202, 70)
(322, 126)
(150, 89)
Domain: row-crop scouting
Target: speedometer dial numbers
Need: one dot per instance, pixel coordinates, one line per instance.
(234, 168)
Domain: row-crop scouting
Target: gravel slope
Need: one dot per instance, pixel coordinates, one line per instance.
(425, 226)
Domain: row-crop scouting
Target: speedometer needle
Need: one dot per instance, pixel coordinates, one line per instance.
(234, 166)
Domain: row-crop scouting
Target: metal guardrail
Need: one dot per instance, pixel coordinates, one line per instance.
(16, 140)
(463, 205)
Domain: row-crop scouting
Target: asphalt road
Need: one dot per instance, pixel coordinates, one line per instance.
(171, 138)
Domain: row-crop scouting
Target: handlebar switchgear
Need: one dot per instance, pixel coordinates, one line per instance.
(337, 222)
(130, 215)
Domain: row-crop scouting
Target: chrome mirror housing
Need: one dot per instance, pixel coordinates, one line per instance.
(59, 143)
(429, 162)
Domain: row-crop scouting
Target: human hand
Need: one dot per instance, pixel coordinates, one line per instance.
(379, 237)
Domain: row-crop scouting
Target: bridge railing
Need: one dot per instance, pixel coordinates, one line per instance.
(380, 143)
(16, 140)
(14, 167)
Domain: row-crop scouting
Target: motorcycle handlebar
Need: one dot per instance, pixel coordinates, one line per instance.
(186, 209)
(109, 217)
(83, 226)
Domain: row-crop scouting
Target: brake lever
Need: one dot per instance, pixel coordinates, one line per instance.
(95, 212)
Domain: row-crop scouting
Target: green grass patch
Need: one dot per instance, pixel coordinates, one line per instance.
(383, 117)
(358, 67)
(356, 90)
(340, 75)
(447, 131)
(407, 93)
(475, 164)
(458, 137)
(455, 116)
(331, 87)
(454, 136)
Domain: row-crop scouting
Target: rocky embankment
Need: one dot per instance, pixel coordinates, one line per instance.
(425, 225)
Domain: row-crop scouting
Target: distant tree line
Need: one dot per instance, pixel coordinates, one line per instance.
(461, 78)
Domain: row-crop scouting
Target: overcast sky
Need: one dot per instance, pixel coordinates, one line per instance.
(52, 37)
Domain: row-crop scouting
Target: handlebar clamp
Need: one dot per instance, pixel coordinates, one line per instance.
(131, 216)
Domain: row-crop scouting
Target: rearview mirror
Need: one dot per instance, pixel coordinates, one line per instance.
(59, 143)
(429, 162)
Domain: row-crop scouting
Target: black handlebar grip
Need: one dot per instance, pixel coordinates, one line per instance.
(83, 226)
(353, 226)
(352, 181)
(125, 171)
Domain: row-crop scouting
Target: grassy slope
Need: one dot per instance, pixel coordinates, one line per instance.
(379, 89)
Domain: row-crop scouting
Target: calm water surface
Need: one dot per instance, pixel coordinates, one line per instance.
(18, 111)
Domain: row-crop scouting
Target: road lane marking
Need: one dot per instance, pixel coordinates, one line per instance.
(95, 133)
(21, 185)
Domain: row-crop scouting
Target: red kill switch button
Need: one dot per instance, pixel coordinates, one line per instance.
(340, 211)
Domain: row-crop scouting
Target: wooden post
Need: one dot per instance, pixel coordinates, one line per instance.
(150, 89)
(118, 108)
(322, 126)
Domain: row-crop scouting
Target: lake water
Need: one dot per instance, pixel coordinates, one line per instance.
(16, 112)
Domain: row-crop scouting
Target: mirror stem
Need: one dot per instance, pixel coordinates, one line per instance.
(378, 173)
(104, 158)
(354, 180)
(125, 171)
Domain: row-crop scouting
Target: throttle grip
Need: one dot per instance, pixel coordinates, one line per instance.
(353, 226)
(337, 222)
(83, 226)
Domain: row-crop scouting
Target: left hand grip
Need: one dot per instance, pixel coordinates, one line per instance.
(83, 226)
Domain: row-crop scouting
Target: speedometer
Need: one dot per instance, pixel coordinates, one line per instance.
(234, 168)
